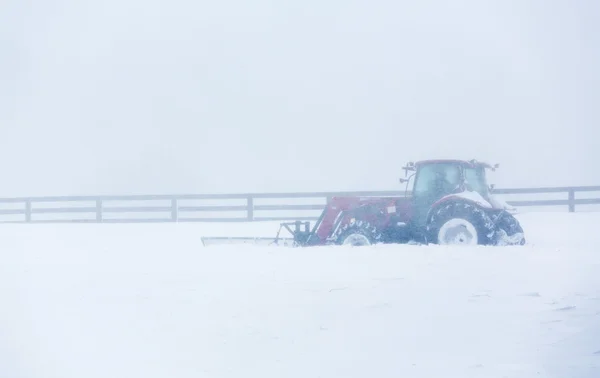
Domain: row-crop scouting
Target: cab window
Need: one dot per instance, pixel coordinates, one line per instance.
(437, 180)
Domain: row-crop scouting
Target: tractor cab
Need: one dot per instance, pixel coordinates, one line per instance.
(435, 179)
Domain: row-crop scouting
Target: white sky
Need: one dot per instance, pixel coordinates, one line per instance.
(131, 96)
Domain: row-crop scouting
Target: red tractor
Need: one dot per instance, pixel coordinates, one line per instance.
(450, 203)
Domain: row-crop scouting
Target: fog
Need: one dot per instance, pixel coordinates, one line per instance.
(132, 97)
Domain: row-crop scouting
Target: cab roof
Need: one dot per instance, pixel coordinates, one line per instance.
(469, 163)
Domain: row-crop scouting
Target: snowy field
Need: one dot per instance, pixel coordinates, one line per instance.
(124, 301)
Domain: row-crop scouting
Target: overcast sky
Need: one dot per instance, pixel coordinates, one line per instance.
(132, 96)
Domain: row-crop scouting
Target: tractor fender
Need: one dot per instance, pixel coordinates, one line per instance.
(466, 195)
(471, 198)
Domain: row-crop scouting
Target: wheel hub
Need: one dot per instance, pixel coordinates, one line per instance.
(461, 235)
(457, 232)
(356, 240)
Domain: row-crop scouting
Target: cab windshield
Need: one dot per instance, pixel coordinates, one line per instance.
(475, 180)
(440, 179)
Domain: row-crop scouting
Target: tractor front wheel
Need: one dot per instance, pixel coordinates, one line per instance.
(357, 233)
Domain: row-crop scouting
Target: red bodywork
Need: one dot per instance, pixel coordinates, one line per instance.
(378, 211)
(385, 213)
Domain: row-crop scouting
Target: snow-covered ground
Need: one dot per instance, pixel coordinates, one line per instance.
(99, 301)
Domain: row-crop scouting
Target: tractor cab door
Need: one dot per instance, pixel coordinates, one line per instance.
(433, 182)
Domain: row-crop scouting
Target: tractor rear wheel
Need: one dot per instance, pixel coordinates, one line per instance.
(459, 223)
(357, 233)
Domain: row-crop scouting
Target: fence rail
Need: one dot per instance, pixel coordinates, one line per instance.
(185, 208)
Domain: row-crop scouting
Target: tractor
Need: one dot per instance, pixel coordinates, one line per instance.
(450, 203)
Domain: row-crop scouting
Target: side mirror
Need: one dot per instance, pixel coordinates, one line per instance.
(492, 186)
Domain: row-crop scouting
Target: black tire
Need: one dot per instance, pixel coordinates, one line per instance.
(509, 224)
(509, 230)
(472, 219)
(357, 233)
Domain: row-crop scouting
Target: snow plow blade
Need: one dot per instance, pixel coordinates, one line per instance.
(298, 237)
(222, 240)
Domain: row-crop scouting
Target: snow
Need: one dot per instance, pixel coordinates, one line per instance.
(471, 195)
(148, 300)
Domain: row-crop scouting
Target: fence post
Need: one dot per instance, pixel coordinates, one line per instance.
(98, 210)
(250, 206)
(174, 210)
(28, 211)
(571, 200)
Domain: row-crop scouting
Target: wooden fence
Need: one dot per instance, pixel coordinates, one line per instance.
(236, 207)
